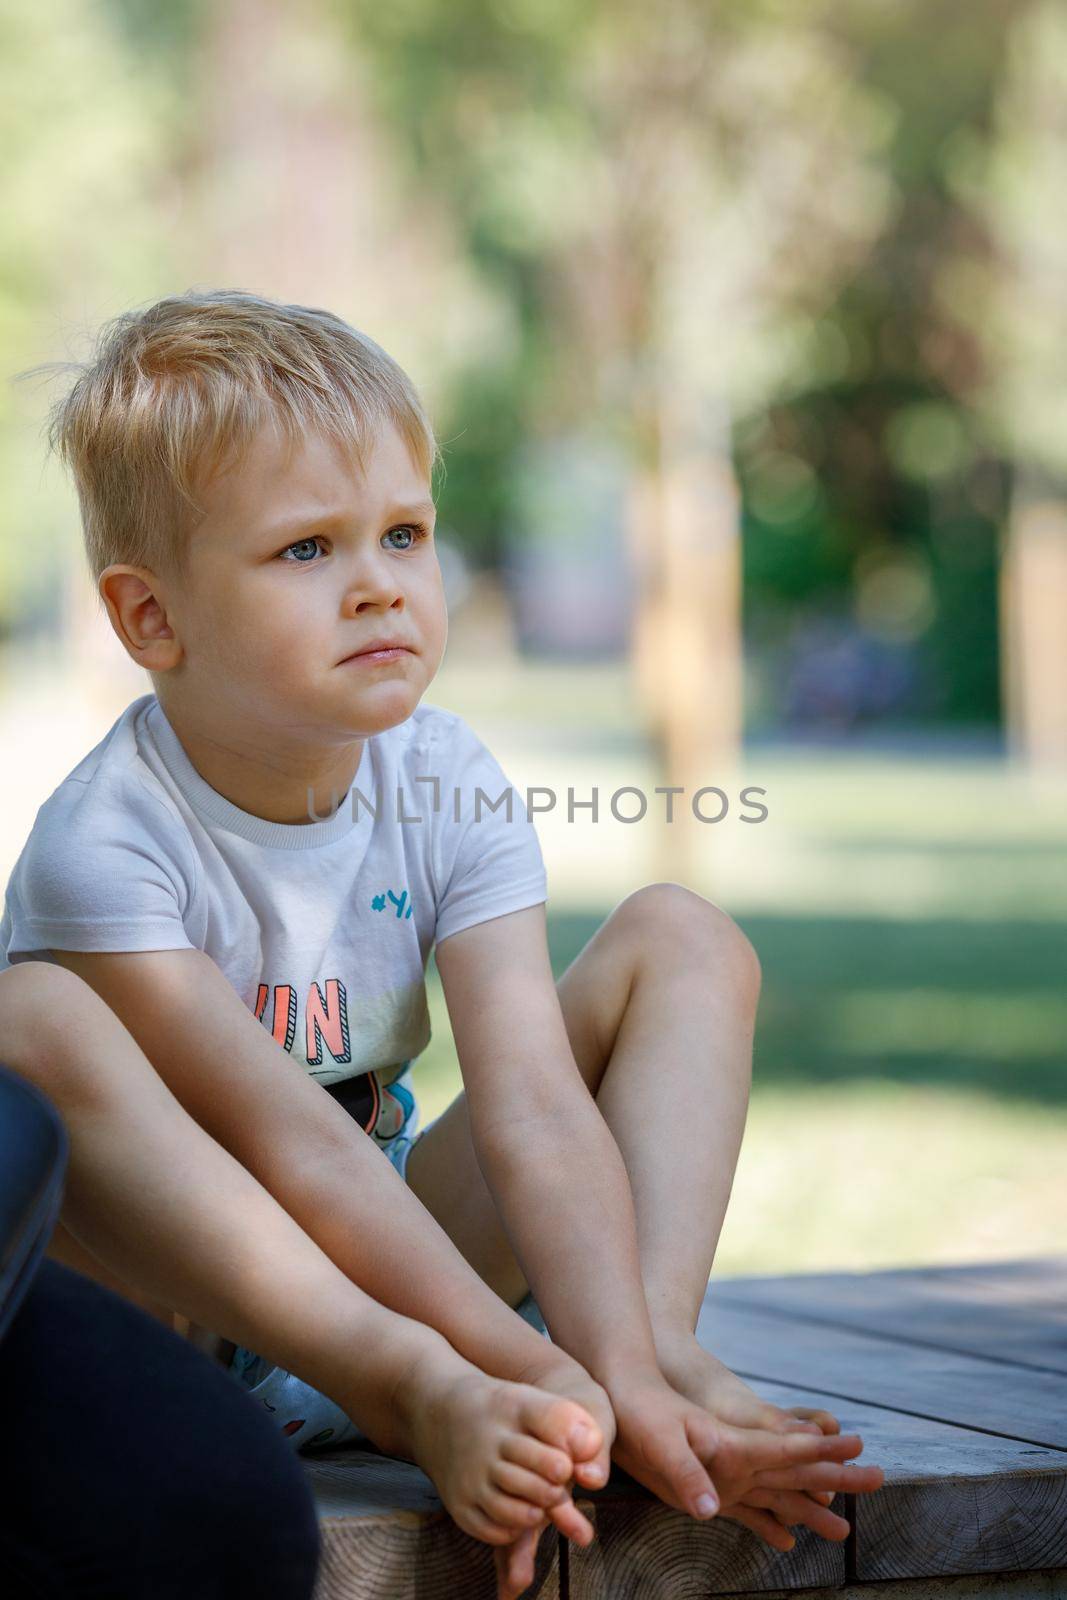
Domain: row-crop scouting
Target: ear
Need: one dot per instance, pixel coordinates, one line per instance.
(137, 609)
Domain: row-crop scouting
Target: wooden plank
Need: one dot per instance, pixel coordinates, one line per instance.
(1033, 1280)
(995, 1586)
(1012, 1311)
(916, 1450)
(974, 1447)
(973, 1525)
(385, 1534)
(954, 1502)
(971, 1391)
(384, 1528)
(646, 1551)
(383, 1522)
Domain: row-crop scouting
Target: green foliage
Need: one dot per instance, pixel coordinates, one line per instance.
(831, 221)
(82, 158)
(1017, 186)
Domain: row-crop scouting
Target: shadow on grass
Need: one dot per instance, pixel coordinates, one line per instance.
(980, 849)
(941, 1002)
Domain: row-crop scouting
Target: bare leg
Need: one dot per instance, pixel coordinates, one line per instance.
(660, 1011)
(64, 1247)
(166, 1208)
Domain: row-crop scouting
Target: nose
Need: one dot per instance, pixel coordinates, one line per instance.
(376, 583)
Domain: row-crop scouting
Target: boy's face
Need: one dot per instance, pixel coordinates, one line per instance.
(298, 563)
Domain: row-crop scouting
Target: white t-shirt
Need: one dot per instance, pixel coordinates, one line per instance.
(324, 928)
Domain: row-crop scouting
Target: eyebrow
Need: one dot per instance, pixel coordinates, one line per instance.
(299, 522)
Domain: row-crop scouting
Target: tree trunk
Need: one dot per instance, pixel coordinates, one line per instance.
(1033, 596)
(687, 636)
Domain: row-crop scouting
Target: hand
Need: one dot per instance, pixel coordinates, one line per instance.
(697, 1464)
(771, 1514)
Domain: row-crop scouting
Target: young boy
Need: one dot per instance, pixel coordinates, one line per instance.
(251, 869)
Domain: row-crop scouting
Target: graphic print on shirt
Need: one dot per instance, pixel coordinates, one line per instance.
(323, 1046)
(325, 1020)
(379, 902)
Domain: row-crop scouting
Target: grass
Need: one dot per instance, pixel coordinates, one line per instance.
(910, 913)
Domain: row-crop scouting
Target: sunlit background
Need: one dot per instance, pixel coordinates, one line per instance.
(744, 328)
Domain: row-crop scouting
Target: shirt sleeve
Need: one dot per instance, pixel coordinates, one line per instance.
(106, 868)
(488, 857)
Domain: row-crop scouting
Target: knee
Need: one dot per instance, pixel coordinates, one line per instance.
(668, 917)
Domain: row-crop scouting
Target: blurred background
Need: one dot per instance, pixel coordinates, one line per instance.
(743, 326)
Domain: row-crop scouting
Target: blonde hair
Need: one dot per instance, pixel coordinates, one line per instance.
(175, 391)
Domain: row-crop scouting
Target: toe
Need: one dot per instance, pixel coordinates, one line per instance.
(526, 1451)
(474, 1521)
(515, 1566)
(526, 1485)
(510, 1511)
(562, 1423)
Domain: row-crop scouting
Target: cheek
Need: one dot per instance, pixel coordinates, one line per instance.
(259, 644)
(434, 608)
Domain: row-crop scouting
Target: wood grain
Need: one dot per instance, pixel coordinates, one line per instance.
(1014, 1311)
(971, 1391)
(914, 1449)
(955, 1379)
(645, 1551)
(386, 1536)
(969, 1525)
(954, 1501)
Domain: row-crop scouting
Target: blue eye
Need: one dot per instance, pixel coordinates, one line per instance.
(301, 544)
(416, 532)
(415, 529)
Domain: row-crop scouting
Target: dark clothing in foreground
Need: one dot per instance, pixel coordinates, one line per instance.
(133, 1468)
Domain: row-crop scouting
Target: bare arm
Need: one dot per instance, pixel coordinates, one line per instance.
(546, 1152)
(238, 1083)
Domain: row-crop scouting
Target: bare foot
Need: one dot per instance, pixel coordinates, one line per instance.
(515, 1564)
(703, 1378)
(558, 1373)
(500, 1454)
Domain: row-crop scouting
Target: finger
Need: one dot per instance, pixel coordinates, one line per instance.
(686, 1472)
(826, 1420)
(761, 1523)
(820, 1476)
(799, 1510)
(526, 1485)
(783, 1449)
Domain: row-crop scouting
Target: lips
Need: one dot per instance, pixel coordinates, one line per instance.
(380, 644)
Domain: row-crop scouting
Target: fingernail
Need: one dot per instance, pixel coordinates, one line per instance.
(707, 1505)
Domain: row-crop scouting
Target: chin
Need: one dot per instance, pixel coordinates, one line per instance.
(386, 710)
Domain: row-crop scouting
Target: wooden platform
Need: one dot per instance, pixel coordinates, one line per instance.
(955, 1377)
